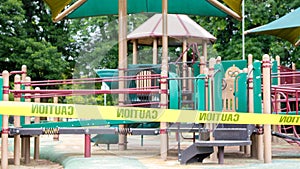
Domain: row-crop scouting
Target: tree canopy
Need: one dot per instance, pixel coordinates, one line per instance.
(257, 12)
(30, 38)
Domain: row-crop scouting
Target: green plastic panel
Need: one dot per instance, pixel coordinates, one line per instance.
(77, 123)
(240, 93)
(275, 72)
(257, 95)
(196, 68)
(241, 64)
(175, 93)
(200, 92)
(217, 87)
(109, 73)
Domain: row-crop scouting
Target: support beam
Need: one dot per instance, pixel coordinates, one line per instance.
(17, 123)
(204, 50)
(36, 154)
(27, 121)
(122, 61)
(164, 86)
(134, 51)
(68, 10)
(55, 119)
(225, 9)
(155, 51)
(267, 108)
(4, 136)
(184, 65)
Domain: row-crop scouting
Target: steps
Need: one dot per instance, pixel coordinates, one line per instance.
(194, 153)
(233, 132)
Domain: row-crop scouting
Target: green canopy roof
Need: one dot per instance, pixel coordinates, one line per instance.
(110, 7)
(286, 27)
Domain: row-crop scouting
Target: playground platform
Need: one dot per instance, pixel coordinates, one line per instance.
(68, 153)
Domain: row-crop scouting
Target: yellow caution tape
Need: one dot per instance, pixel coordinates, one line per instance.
(141, 114)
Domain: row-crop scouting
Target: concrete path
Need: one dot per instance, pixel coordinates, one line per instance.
(68, 152)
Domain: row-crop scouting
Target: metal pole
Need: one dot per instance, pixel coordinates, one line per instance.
(87, 145)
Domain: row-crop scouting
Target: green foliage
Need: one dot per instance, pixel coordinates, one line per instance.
(28, 37)
(98, 40)
(257, 12)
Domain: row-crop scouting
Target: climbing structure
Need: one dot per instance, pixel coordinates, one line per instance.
(285, 100)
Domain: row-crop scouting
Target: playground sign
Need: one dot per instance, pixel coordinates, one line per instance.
(141, 114)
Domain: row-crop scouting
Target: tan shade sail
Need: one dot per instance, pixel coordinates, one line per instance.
(235, 5)
(56, 6)
(180, 27)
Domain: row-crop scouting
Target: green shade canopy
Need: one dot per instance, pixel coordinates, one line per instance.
(286, 27)
(110, 7)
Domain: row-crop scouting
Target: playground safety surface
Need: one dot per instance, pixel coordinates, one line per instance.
(68, 153)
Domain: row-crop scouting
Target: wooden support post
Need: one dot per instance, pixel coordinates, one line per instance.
(278, 104)
(218, 60)
(155, 51)
(36, 154)
(24, 74)
(202, 64)
(204, 50)
(206, 72)
(212, 62)
(4, 136)
(247, 148)
(184, 67)
(253, 150)
(23, 79)
(294, 69)
(17, 123)
(134, 51)
(267, 108)
(190, 81)
(27, 121)
(164, 84)
(122, 62)
(260, 146)
(55, 119)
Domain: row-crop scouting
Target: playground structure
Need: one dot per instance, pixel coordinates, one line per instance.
(195, 84)
(202, 91)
